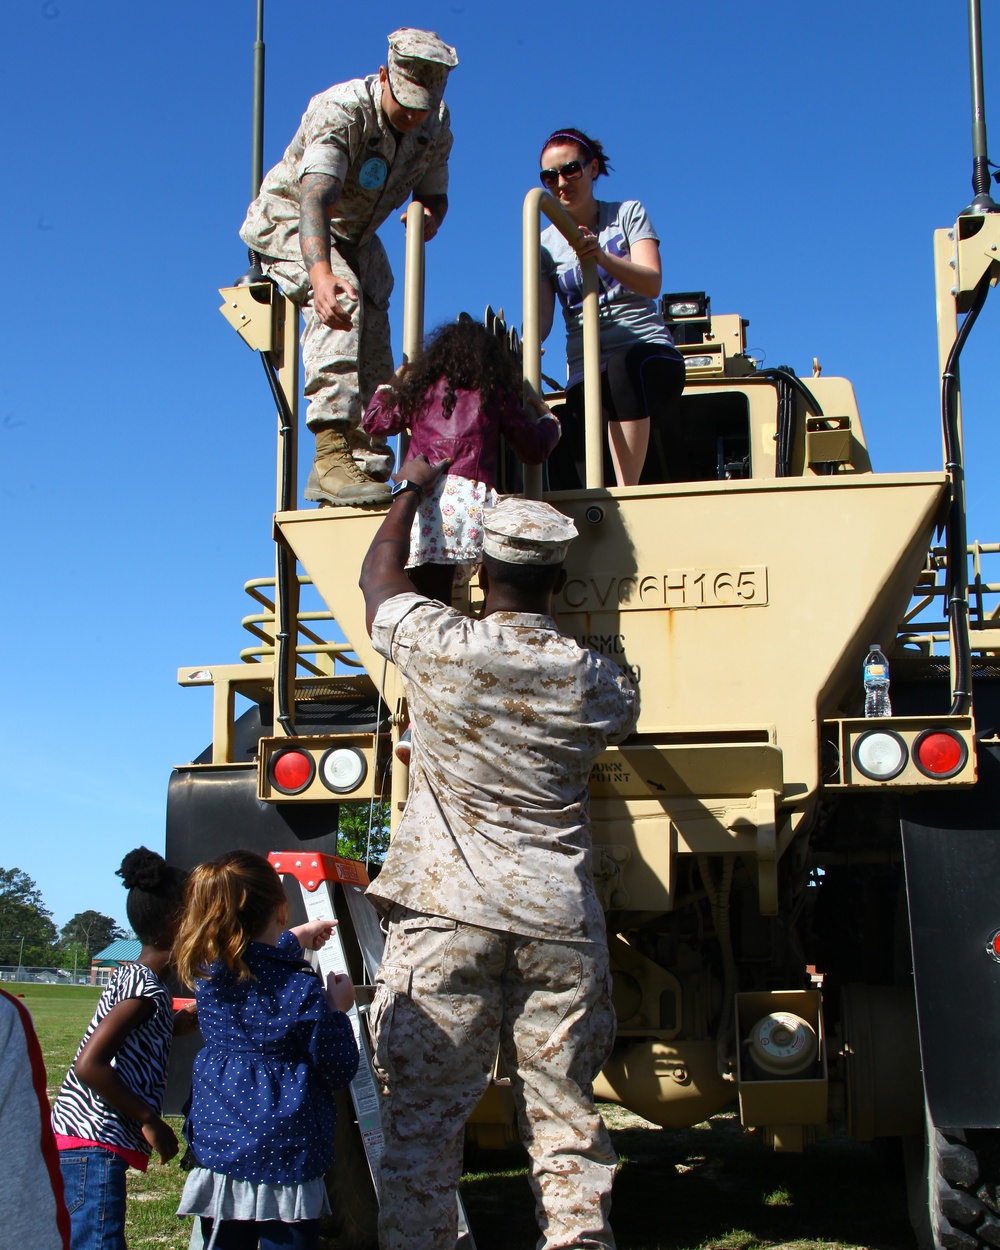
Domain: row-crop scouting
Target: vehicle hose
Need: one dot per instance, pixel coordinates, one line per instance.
(956, 535)
(285, 563)
(718, 901)
(787, 384)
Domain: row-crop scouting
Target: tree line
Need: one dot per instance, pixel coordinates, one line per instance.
(29, 936)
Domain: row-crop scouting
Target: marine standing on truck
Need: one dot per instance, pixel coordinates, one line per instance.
(495, 932)
(360, 150)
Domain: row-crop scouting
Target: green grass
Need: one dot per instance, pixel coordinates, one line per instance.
(710, 1187)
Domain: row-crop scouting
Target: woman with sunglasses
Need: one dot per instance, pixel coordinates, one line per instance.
(642, 372)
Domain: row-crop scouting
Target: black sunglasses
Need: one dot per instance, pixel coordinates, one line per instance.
(570, 171)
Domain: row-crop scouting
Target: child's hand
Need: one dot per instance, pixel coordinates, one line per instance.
(339, 991)
(186, 1021)
(314, 935)
(403, 370)
(161, 1137)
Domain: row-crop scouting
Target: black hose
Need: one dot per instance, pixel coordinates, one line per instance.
(283, 703)
(956, 534)
(787, 383)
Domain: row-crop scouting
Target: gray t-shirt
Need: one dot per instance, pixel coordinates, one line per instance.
(625, 316)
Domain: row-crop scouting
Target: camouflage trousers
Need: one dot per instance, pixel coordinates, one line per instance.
(447, 994)
(343, 367)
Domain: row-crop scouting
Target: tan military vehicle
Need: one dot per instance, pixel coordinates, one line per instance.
(800, 898)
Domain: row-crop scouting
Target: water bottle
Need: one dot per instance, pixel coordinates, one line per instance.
(877, 683)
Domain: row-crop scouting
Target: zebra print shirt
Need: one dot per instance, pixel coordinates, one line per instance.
(141, 1063)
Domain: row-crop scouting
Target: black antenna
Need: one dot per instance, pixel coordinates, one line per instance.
(983, 203)
(257, 156)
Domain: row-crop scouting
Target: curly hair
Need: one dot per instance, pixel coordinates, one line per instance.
(469, 357)
(229, 902)
(155, 896)
(592, 149)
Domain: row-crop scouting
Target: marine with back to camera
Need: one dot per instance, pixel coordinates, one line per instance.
(496, 937)
(360, 150)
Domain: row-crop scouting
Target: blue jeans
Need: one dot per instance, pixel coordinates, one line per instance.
(95, 1197)
(268, 1234)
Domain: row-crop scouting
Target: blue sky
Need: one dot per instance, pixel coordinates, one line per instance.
(795, 159)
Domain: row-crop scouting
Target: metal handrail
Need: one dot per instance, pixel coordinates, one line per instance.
(983, 617)
(413, 292)
(536, 202)
(314, 644)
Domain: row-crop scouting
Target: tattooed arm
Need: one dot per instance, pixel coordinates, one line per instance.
(320, 193)
(435, 207)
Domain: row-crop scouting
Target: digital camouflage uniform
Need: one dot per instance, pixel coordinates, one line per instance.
(495, 933)
(344, 133)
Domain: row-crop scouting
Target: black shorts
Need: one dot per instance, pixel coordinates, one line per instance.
(644, 380)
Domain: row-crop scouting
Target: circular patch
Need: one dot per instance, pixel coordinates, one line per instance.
(372, 173)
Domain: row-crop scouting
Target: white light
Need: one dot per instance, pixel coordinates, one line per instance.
(700, 362)
(343, 769)
(783, 1044)
(880, 755)
(683, 310)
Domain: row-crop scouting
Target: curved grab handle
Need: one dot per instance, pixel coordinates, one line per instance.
(413, 296)
(536, 202)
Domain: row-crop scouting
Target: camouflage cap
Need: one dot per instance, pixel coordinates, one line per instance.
(419, 64)
(527, 531)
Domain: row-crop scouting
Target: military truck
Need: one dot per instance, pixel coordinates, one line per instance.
(799, 897)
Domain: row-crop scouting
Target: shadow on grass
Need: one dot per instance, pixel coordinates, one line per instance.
(712, 1186)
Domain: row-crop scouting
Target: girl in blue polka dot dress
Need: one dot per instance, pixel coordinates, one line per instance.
(277, 1046)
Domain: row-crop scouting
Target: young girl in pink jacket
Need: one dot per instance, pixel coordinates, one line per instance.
(456, 399)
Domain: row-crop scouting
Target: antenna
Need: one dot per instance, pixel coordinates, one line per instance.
(257, 141)
(983, 202)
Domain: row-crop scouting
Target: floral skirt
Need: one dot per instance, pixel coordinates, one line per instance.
(448, 527)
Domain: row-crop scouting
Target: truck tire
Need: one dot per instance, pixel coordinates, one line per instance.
(953, 1186)
(349, 1183)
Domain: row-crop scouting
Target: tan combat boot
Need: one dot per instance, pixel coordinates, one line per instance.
(336, 479)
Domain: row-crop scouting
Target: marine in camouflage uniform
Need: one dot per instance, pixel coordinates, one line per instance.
(495, 933)
(360, 150)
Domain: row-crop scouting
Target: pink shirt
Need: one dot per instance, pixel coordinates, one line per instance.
(470, 437)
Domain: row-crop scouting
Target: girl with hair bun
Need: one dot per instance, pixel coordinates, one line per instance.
(106, 1117)
(277, 1046)
(642, 372)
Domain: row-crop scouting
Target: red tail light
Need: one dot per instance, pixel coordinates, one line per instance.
(939, 753)
(291, 771)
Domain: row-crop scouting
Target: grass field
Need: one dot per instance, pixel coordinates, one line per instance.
(700, 1188)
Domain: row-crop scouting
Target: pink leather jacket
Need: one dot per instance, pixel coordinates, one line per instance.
(470, 436)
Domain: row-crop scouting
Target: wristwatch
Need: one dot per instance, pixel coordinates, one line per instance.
(406, 485)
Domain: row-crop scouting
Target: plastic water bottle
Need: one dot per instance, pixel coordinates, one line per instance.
(877, 683)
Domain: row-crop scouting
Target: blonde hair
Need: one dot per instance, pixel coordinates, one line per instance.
(228, 902)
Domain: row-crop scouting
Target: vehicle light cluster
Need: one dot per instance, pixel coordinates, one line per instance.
(881, 754)
(292, 770)
(906, 751)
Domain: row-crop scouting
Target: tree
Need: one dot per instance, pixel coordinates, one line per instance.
(90, 932)
(353, 828)
(26, 929)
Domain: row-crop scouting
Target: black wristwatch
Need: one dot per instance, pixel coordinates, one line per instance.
(405, 485)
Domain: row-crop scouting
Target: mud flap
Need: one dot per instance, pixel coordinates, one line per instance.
(951, 851)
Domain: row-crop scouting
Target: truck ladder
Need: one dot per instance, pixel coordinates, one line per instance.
(319, 876)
